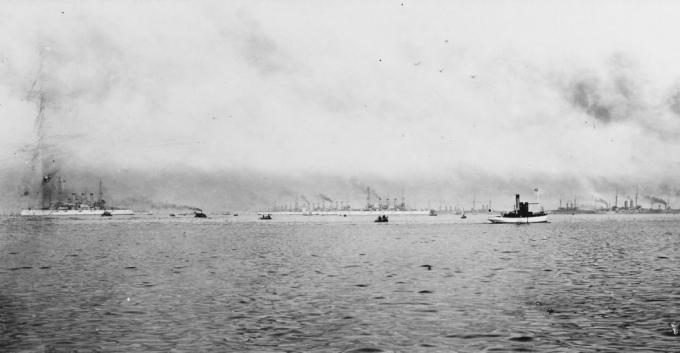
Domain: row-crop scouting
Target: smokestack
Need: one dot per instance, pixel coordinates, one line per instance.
(368, 198)
(516, 202)
(403, 200)
(59, 188)
(616, 199)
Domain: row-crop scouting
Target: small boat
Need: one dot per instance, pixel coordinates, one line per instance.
(172, 215)
(106, 214)
(463, 216)
(199, 214)
(381, 219)
(520, 215)
(266, 217)
(433, 213)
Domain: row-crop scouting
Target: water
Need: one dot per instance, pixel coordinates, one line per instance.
(334, 284)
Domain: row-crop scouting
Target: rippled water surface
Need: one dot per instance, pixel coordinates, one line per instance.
(334, 284)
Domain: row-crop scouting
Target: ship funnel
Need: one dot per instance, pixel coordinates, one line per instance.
(516, 201)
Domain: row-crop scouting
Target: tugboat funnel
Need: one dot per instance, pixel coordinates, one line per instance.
(516, 202)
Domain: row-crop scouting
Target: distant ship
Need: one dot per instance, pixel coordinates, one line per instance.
(520, 215)
(351, 212)
(342, 208)
(76, 205)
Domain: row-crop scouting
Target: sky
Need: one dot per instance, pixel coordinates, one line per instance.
(239, 104)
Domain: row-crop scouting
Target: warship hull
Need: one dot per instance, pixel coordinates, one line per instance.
(43, 213)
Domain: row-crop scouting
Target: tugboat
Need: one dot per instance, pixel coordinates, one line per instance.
(433, 213)
(106, 214)
(520, 215)
(199, 214)
(381, 219)
(266, 217)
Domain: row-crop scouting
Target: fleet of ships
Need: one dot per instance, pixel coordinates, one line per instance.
(628, 204)
(375, 205)
(54, 201)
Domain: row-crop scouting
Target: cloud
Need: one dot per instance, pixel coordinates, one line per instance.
(624, 93)
(265, 88)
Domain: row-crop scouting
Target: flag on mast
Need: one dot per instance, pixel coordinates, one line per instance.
(537, 193)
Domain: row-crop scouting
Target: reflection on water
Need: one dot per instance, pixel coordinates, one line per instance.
(329, 284)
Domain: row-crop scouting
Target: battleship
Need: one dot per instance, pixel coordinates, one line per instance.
(44, 167)
(76, 205)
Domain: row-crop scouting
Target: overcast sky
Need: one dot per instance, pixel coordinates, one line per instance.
(396, 90)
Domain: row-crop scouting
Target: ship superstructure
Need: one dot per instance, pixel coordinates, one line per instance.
(58, 204)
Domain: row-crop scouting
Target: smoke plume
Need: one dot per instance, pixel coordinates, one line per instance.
(654, 199)
(603, 201)
(325, 198)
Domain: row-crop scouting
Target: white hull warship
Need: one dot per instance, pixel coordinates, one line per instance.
(75, 205)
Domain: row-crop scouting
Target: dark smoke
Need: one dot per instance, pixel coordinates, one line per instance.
(674, 100)
(655, 199)
(359, 186)
(586, 96)
(146, 203)
(325, 198)
(620, 96)
(364, 188)
(606, 100)
(612, 97)
(603, 201)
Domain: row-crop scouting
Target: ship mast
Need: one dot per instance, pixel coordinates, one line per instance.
(100, 194)
(38, 168)
(38, 157)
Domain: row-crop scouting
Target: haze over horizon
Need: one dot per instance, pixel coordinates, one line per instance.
(236, 105)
